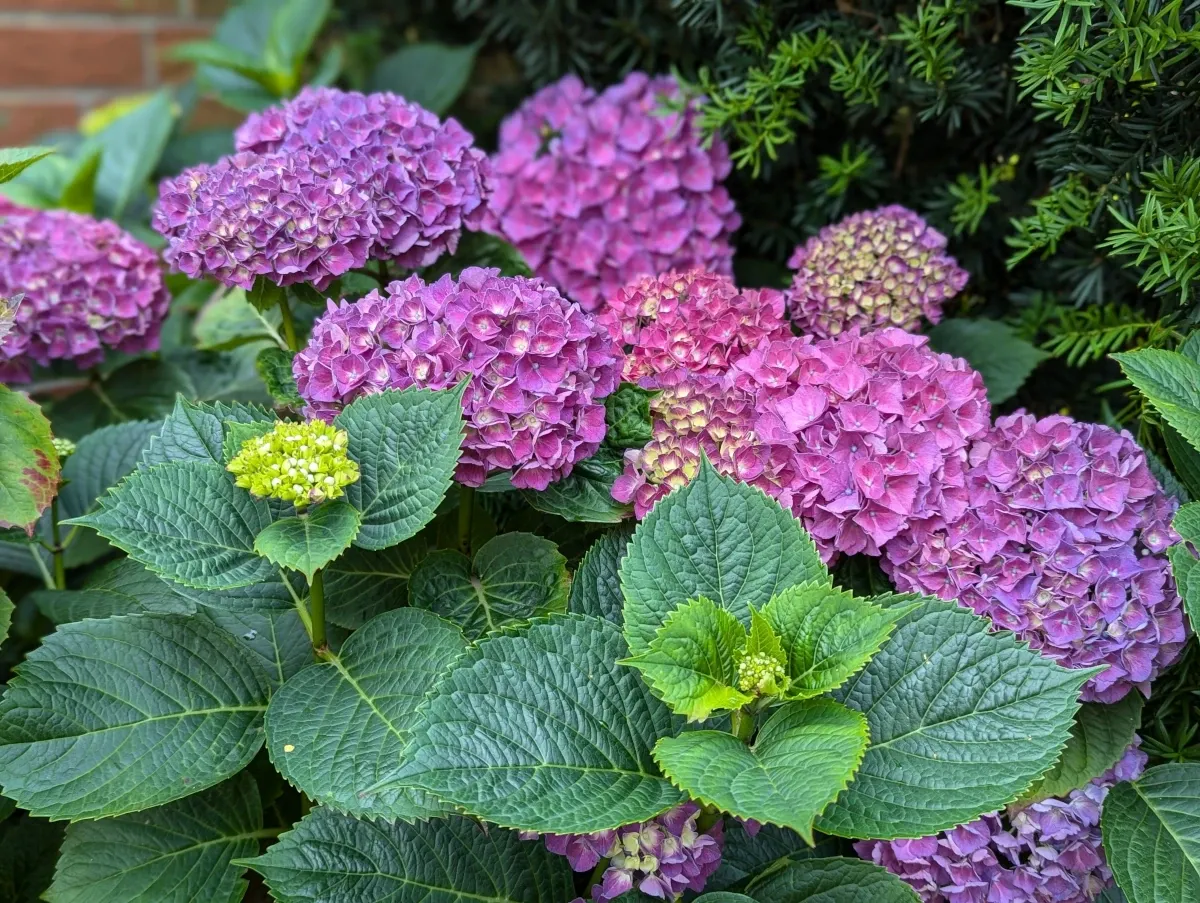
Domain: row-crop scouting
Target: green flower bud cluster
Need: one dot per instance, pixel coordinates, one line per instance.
(761, 674)
(301, 463)
(63, 447)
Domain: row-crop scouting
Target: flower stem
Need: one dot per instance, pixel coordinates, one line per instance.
(743, 725)
(708, 817)
(597, 875)
(289, 326)
(60, 570)
(316, 610)
(466, 516)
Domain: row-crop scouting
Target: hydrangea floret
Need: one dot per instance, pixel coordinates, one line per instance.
(595, 189)
(64, 448)
(302, 463)
(88, 285)
(1046, 852)
(694, 322)
(761, 674)
(876, 268)
(537, 367)
(1064, 543)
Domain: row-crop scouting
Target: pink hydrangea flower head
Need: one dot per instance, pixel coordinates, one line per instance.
(88, 285)
(875, 268)
(595, 189)
(1064, 543)
(661, 858)
(538, 367)
(426, 179)
(879, 425)
(690, 322)
(1045, 852)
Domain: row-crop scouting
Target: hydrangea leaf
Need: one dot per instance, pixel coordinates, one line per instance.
(1184, 565)
(196, 432)
(515, 577)
(723, 896)
(585, 496)
(745, 856)
(429, 73)
(491, 738)
(1002, 357)
(238, 433)
(187, 522)
(121, 587)
(1184, 458)
(178, 853)
(29, 466)
(1171, 383)
(801, 759)
(330, 856)
(336, 729)
(277, 639)
(406, 446)
(14, 160)
(1151, 830)
(715, 538)
(596, 587)
(274, 365)
(1099, 737)
(115, 716)
(6, 611)
(838, 879)
(308, 542)
(627, 415)
(692, 663)
(962, 722)
(362, 584)
(827, 635)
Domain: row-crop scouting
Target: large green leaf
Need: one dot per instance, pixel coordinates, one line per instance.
(6, 611)
(1171, 383)
(801, 759)
(827, 635)
(596, 587)
(1151, 831)
(1184, 458)
(336, 730)
(309, 541)
(195, 432)
(406, 445)
(515, 577)
(121, 587)
(131, 147)
(1002, 357)
(586, 495)
(627, 416)
(715, 538)
(29, 468)
(189, 523)
(1184, 564)
(962, 722)
(746, 856)
(14, 160)
(834, 880)
(178, 853)
(429, 74)
(541, 730)
(277, 638)
(115, 716)
(329, 856)
(362, 584)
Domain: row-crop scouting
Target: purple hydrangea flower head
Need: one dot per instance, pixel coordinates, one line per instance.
(690, 322)
(595, 189)
(662, 857)
(426, 179)
(1064, 543)
(1045, 852)
(88, 285)
(538, 367)
(875, 268)
(878, 424)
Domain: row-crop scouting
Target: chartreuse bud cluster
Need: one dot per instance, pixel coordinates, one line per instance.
(760, 673)
(64, 447)
(302, 463)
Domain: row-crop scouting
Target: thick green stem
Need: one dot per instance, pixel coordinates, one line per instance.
(708, 817)
(60, 569)
(316, 611)
(289, 326)
(743, 725)
(466, 517)
(597, 876)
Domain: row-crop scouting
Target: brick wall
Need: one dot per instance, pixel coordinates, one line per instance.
(61, 58)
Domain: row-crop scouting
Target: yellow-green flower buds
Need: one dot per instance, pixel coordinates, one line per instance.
(64, 447)
(301, 463)
(760, 674)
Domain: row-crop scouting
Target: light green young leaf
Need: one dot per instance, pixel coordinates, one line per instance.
(596, 586)
(491, 741)
(1151, 831)
(515, 577)
(1171, 383)
(115, 716)
(336, 730)
(802, 758)
(692, 663)
(715, 538)
(406, 446)
(329, 856)
(29, 467)
(178, 853)
(309, 541)
(827, 635)
(834, 880)
(15, 160)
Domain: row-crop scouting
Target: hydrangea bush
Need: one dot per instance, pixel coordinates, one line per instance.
(418, 565)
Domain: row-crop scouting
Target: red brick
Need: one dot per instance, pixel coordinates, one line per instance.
(170, 70)
(22, 123)
(70, 57)
(210, 8)
(116, 7)
(210, 113)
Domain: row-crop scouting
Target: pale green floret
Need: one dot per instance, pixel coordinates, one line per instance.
(64, 447)
(760, 674)
(301, 463)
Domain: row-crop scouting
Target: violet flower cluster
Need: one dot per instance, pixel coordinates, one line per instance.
(1046, 852)
(322, 184)
(87, 284)
(1063, 542)
(539, 367)
(693, 322)
(661, 858)
(873, 269)
(596, 189)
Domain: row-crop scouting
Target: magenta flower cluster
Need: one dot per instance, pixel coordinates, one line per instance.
(595, 189)
(321, 185)
(876, 268)
(1063, 542)
(538, 367)
(661, 858)
(1047, 852)
(88, 285)
(693, 322)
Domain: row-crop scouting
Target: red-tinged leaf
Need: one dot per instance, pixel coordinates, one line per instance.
(29, 466)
